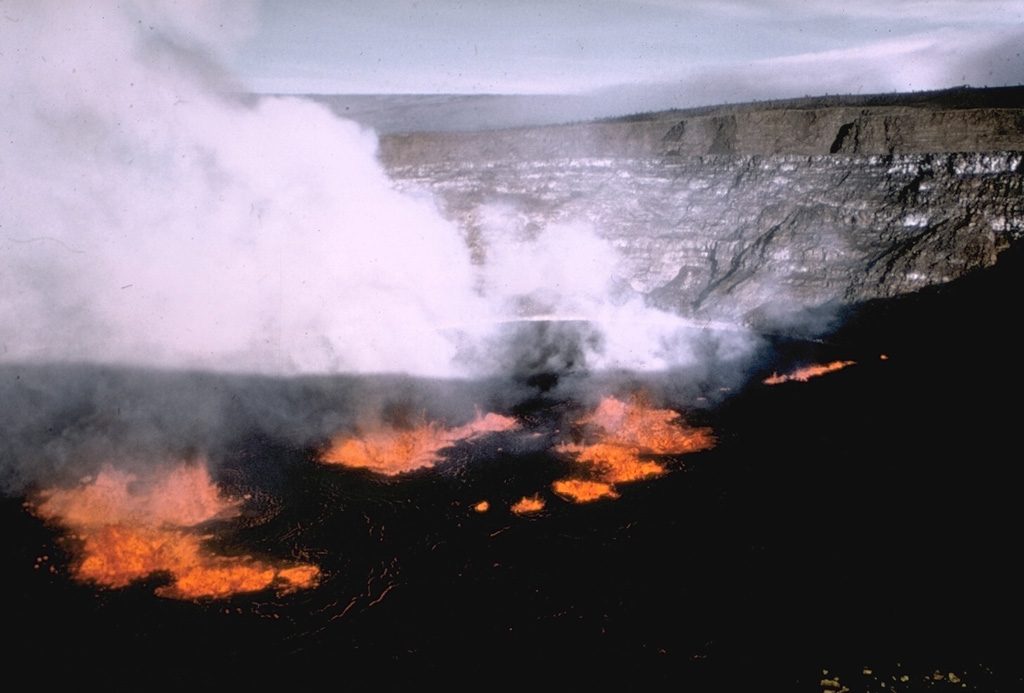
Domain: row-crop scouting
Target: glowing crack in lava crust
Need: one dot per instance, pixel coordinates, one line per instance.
(802, 375)
(129, 529)
(392, 451)
(619, 440)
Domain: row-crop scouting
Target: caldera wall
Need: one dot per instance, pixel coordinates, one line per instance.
(751, 214)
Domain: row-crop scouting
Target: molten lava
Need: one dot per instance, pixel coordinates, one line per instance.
(129, 529)
(527, 505)
(584, 491)
(619, 440)
(621, 437)
(392, 451)
(804, 374)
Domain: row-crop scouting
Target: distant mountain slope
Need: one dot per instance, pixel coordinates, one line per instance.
(955, 120)
(403, 113)
(406, 113)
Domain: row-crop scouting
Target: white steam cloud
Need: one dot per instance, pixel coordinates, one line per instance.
(148, 217)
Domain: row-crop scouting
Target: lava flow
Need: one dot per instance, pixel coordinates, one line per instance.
(583, 491)
(130, 529)
(802, 375)
(527, 505)
(392, 451)
(624, 436)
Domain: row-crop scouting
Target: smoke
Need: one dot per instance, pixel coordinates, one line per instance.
(148, 217)
(152, 217)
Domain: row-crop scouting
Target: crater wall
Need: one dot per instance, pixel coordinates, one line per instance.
(753, 214)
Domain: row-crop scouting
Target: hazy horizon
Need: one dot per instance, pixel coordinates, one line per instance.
(402, 113)
(700, 52)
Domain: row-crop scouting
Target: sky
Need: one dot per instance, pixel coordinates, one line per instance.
(706, 49)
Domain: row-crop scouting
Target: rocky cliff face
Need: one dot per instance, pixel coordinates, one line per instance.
(752, 215)
(847, 130)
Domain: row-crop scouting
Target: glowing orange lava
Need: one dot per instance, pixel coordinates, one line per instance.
(482, 507)
(584, 491)
(527, 505)
(129, 529)
(624, 435)
(392, 451)
(802, 375)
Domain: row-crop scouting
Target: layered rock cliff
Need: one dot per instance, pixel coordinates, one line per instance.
(753, 214)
